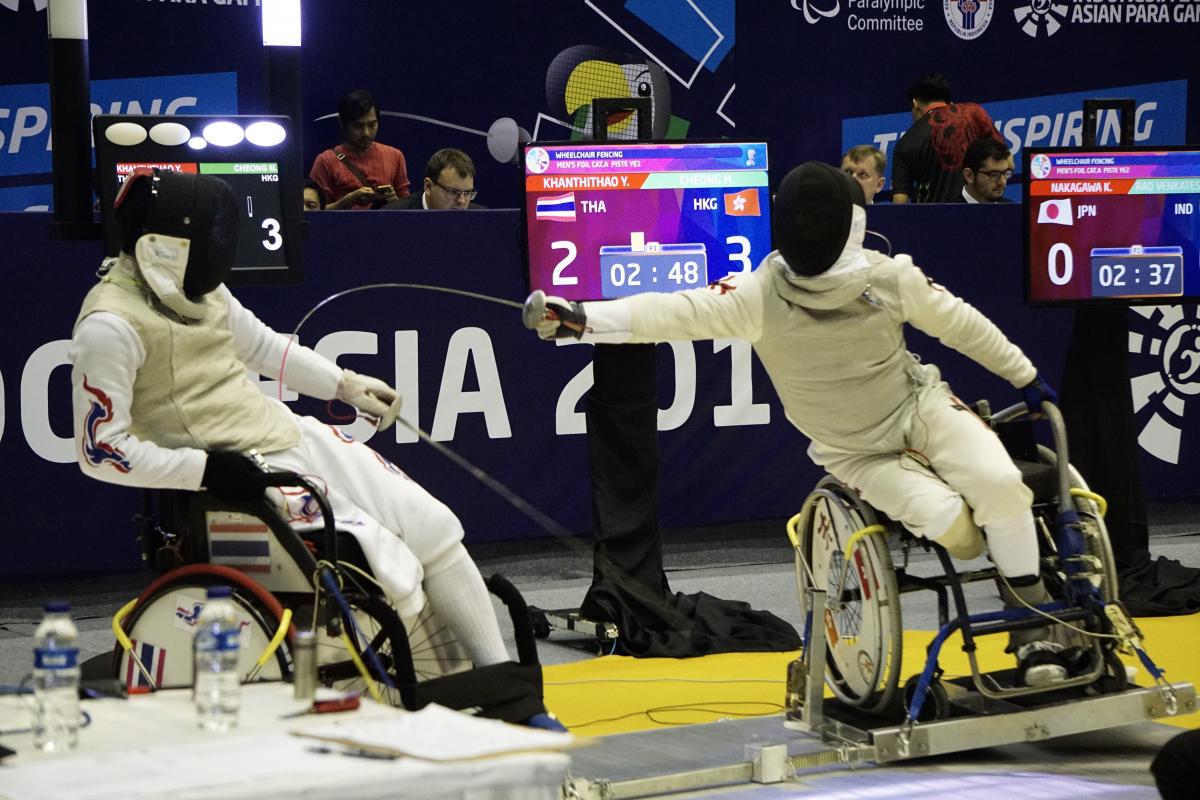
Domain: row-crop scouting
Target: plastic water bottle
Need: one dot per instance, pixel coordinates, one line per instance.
(217, 687)
(56, 680)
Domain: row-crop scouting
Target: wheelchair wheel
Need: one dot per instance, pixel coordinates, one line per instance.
(430, 650)
(862, 615)
(162, 623)
(1095, 534)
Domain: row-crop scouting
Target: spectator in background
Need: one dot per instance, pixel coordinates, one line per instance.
(927, 162)
(449, 183)
(360, 172)
(987, 166)
(314, 198)
(867, 165)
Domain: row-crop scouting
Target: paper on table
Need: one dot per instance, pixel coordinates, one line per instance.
(435, 733)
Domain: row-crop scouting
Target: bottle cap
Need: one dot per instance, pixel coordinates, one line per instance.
(216, 592)
(56, 607)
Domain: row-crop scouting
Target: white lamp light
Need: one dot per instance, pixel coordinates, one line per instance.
(265, 133)
(281, 23)
(224, 133)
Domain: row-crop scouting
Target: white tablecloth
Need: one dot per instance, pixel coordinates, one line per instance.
(149, 746)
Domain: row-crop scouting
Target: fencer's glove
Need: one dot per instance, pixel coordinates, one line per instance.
(233, 477)
(553, 317)
(1037, 392)
(369, 395)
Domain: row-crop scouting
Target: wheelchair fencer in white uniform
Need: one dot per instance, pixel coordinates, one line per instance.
(826, 317)
(162, 400)
(844, 547)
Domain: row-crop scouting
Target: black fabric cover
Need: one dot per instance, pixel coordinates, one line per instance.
(629, 586)
(1159, 587)
(813, 215)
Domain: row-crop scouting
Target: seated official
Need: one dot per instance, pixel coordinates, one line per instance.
(314, 196)
(867, 165)
(449, 184)
(987, 167)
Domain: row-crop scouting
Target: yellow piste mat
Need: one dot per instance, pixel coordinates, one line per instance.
(618, 694)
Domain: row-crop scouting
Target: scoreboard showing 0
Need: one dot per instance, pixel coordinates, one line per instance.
(1112, 226)
(613, 219)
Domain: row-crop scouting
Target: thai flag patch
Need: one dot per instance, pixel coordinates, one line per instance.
(560, 207)
(153, 658)
(239, 541)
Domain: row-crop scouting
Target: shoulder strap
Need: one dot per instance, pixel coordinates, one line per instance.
(348, 164)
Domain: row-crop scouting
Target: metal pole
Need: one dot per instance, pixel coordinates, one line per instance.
(70, 120)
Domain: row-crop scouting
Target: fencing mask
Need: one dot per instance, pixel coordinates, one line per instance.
(812, 216)
(183, 228)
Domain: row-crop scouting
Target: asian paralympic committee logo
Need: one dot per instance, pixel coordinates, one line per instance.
(1170, 337)
(1041, 16)
(813, 14)
(968, 18)
(11, 5)
(537, 160)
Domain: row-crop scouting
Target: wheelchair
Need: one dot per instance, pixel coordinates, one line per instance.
(288, 576)
(850, 590)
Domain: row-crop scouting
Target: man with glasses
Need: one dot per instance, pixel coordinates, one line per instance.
(987, 167)
(449, 184)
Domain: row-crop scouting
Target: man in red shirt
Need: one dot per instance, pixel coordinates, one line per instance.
(360, 172)
(927, 162)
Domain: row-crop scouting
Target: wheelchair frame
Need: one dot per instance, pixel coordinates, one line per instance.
(995, 714)
(392, 659)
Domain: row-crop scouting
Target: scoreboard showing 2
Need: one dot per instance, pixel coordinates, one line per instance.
(612, 219)
(1112, 226)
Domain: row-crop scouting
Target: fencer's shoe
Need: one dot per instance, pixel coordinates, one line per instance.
(1079, 660)
(545, 721)
(1041, 664)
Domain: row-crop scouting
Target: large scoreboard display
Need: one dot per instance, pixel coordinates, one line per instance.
(611, 219)
(1115, 226)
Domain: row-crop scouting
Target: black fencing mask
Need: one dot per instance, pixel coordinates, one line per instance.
(199, 208)
(813, 211)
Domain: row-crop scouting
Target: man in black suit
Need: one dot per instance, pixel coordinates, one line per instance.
(449, 184)
(987, 166)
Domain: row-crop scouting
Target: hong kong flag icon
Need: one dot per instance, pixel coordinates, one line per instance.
(742, 204)
(1056, 212)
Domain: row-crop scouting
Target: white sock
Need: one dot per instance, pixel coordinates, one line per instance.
(460, 599)
(1012, 544)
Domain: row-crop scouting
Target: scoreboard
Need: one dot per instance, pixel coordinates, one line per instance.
(611, 219)
(1112, 226)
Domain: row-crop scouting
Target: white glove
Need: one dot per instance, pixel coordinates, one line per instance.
(369, 395)
(553, 317)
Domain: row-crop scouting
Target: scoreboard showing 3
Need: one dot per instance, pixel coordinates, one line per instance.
(1112, 226)
(609, 219)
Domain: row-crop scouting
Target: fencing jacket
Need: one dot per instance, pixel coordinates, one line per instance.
(833, 345)
(152, 391)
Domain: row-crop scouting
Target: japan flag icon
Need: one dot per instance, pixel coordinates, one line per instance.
(1056, 212)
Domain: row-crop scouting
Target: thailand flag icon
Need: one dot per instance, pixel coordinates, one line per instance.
(560, 207)
(1056, 212)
